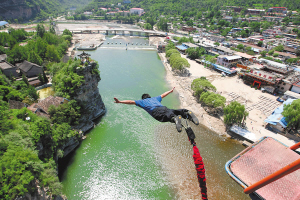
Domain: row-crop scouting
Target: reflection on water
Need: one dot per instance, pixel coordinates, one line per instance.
(45, 92)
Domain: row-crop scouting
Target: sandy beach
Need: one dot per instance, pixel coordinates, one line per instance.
(233, 89)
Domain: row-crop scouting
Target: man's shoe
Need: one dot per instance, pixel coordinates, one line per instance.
(191, 116)
(177, 121)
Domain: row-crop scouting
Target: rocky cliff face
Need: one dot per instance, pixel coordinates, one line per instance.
(14, 9)
(89, 97)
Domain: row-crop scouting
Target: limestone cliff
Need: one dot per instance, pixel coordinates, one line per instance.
(89, 97)
(14, 9)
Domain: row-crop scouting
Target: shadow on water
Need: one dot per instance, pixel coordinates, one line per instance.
(66, 161)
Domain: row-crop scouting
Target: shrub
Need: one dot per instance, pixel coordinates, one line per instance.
(212, 99)
(200, 85)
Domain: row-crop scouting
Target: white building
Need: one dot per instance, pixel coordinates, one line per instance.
(138, 11)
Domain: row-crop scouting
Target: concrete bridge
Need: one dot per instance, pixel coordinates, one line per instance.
(120, 31)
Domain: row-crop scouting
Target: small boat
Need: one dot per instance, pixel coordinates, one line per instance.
(132, 43)
(107, 42)
(145, 43)
(136, 43)
(120, 42)
(116, 43)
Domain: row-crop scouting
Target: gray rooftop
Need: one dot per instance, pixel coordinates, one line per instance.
(6, 65)
(26, 66)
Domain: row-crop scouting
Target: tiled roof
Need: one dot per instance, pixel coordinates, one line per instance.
(6, 65)
(26, 66)
(15, 104)
(3, 57)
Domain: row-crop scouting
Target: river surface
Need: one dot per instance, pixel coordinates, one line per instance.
(129, 155)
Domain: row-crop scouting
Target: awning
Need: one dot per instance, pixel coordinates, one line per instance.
(181, 47)
(233, 57)
(224, 69)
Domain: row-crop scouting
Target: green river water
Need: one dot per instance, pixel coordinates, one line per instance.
(129, 155)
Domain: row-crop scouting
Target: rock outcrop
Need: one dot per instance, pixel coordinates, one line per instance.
(16, 9)
(89, 97)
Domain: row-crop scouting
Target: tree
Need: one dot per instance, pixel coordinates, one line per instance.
(210, 59)
(2, 50)
(279, 48)
(235, 113)
(24, 78)
(148, 26)
(41, 47)
(240, 46)
(52, 30)
(192, 53)
(200, 85)
(263, 53)
(40, 30)
(217, 43)
(170, 52)
(35, 58)
(260, 43)
(169, 46)
(67, 32)
(271, 52)
(178, 62)
(52, 54)
(190, 23)
(212, 99)
(292, 114)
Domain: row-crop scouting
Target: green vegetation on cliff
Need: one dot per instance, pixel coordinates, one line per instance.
(30, 144)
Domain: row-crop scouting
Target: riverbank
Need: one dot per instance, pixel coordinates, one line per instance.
(187, 100)
(232, 88)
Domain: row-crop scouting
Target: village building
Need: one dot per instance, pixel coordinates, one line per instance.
(282, 10)
(296, 87)
(290, 95)
(41, 108)
(138, 11)
(228, 61)
(223, 50)
(217, 38)
(255, 11)
(8, 69)
(188, 29)
(30, 69)
(276, 121)
(3, 57)
(16, 104)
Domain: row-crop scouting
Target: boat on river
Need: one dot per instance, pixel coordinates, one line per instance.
(87, 48)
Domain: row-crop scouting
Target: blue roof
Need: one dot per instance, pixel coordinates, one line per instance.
(2, 23)
(276, 116)
(297, 69)
(181, 47)
(224, 69)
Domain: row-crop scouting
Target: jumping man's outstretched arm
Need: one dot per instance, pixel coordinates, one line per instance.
(166, 93)
(124, 101)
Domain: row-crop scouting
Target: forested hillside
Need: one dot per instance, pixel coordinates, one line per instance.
(22, 10)
(178, 6)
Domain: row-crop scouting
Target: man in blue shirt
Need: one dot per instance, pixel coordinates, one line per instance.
(161, 113)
